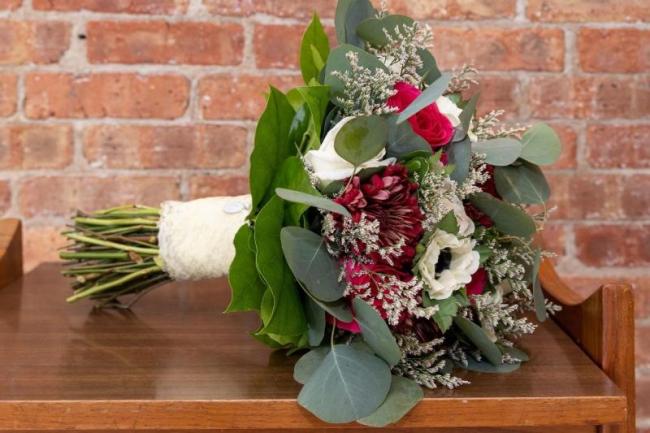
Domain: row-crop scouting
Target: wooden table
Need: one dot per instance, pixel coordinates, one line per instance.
(176, 362)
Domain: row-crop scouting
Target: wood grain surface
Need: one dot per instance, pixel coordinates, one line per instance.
(177, 362)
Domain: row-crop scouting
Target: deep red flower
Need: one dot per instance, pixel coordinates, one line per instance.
(477, 285)
(390, 198)
(429, 123)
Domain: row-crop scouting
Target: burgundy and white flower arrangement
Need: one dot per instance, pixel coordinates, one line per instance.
(388, 235)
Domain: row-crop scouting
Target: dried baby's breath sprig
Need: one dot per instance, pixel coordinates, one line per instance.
(462, 79)
(490, 126)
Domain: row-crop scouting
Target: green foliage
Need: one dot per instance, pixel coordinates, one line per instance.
(315, 321)
(314, 49)
(376, 333)
(449, 223)
(338, 61)
(349, 14)
(373, 30)
(317, 201)
(538, 294)
(309, 363)
(468, 112)
(246, 286)
(480, 339)
(403, 395)
(349, 384)
(541, 145)
(486, 367)
(499, 151)
(272, 146)
(402, 140)
(307, 256)
(523, 183)
(507, 218)
(361, 139)
(447, 308)
(429, 70)
(459, 155)
(428, 97)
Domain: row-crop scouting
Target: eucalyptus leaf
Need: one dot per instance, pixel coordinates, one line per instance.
(272, 146)
(374, 30)
(506, 217)
(538, 294)
(349, 14)
(315, 321)
(486, 367)
(515, 353)
(499, 151)
(403, 141)
(350, 384)
(524, 183)
(314, 49)
(337, 309)
(307, 256)
(243, 279)
(311, 200)
(459, 155)
(338, 61)
(468, 112)
(429, 70)
(449, 223)
(541, 145)
(403, 395)
(479, 338)
(375, 332)
(309, 363)
(361, 139)
(428, 97)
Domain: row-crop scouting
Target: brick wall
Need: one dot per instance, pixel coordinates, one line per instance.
(105, 102)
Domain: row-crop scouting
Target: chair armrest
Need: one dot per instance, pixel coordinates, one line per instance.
(602, 324)
(11, 251)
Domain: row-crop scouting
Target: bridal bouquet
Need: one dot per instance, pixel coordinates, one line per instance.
(389, 230)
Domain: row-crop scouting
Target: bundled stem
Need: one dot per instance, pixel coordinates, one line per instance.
(114, 253)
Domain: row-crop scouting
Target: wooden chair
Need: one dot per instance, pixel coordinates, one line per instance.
(176, 364)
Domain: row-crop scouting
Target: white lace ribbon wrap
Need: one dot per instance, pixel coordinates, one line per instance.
(196, 237)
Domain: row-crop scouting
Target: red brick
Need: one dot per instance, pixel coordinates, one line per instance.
(500, 49)
(453, 9)
(5, 196)
(41, 243)
(35, 146)
(60, 196)
(239, 96)
(119, 95)
(33, 41)
(10, 4)
(618, 146)
(588, 10)
(8, 94)
(163, 7)
(498, 93)
(617, 50)
(270, 54)
(613, 245)
(196, 43)
(642, 337)
(297, 9)
(569, 138)
(598, 97)
(643, 395)
(553, 238)
(208, 186)
(200, 146)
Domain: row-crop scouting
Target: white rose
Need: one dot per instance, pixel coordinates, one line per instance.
(455, 260)
(465, 224)
(449, 109)
(328, 166)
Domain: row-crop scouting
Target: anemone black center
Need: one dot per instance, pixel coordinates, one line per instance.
(444, 260)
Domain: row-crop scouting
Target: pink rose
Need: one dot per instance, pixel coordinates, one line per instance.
(429, 123)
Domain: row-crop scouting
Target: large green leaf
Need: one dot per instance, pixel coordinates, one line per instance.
(460, 155)
(272, 146)
(515, 353)
(447, 309)
(349, 14)
(542, 145)
(311, 200)
(314, 49)
(293, 176)
(402, 140)
(307, 256)
(507, 218)
(338, 61)
(374, 30)
(361, 139)
(429, 70)
(375, 332)
(316, 98)
(404, 394)
(315, 321)
(499, 151)
(523, 183)
(468, 112)
(350, 384)
(428, 97)
(247, 288)
(337, 309)
(477, 335)
(286, 317)
(309, 363)
(486, 367)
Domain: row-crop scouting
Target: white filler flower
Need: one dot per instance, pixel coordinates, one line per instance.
(328, 166)
(447, 264)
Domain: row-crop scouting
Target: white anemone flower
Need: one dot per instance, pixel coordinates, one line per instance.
(447, 264)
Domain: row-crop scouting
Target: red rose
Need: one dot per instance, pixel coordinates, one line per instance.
(477, 285)
(429, 123)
